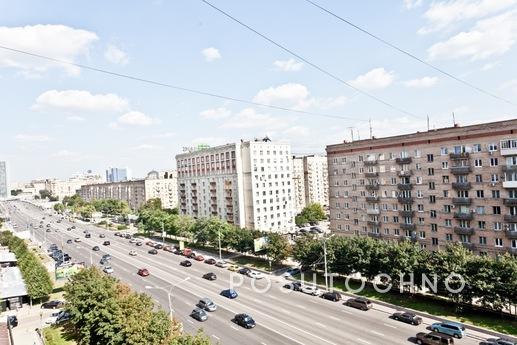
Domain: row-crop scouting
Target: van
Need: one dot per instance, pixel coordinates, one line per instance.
(359, 303)
(451, 328)
(433, 338)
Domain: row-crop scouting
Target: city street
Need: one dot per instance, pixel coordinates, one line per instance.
(282, 316)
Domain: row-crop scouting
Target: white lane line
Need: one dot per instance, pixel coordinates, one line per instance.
(216, 337)
(363, 341)
(190, 321)
(320, 324)
(235, 328)
(302, 306)
(346, 312)
(387, 325)
(377, 333)
(335, 318)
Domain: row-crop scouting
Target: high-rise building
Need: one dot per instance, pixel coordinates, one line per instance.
(4, 187)
(310, 179)
(118, 174)
(456, 184)
(298, 184)
(249, 184)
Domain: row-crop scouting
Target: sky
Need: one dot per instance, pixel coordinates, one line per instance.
(57, 119)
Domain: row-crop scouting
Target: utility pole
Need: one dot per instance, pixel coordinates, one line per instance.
(325, 261)
(453, 119)
(163, 233)
(219, 233)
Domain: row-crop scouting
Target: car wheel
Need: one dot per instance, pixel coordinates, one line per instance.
(419, 342)
(435, 329)
(457, 336)
(396, 318)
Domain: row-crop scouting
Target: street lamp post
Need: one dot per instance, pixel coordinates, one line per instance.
(219, 233)
(168, 292)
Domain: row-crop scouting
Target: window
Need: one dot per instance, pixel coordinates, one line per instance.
(448, 222)
(498, 242)
(496, 194)
(445, 193)
(480, 194)
(444, 151)
(417, 153)
(430, 171)
(480, 209)
(497, 226)
(479, 178)
(496, 209)
(431, 185)
(421, 234)
(419, 180)
(482, 240)
(430, 158)
(492, 147)
(434, 227)
(433, 213)
(445, 165)
(434, 241)
(432, 199)
(420, 208)
(478, 163)
(448, 237)
(445, 179)
(447, 208)
(493, 162)
(494, 178)
(476, 148)
(482, 224)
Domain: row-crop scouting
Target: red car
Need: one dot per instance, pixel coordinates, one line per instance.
(210, 261)
(143, 272)
(199, 258)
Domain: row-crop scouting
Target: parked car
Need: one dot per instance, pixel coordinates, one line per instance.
(498, 341)
(153, 251)
(199, 314)
(291, 272)
(359, 303)
(244, 270)
(312, 290)
(207, 304)
(77, 239)
(229, 293)
(167, 248)
(139, 243)
(233, 268)
(332, 296)
(96, 248)
(117, 233)
(63, 316)
(255, 275)
(433, 338)
(108, 269)
(52, 319)
(128, 236)
(457, 330)
(158, 246)
(244, 320)
(133, 240)
(407, 317)
(49, 230)
(199, 258)
(54, 304)
(210, 276)
(88, 236)
(106, 243)
(295, 286)
(12, 321)
(143, 272)
(69, 241)
(103, 262)
(132, 252)
(222, 264)
(107, 257)
(102, 236)
(150, 243)
(186, 263)
(187, 251)
(210, 261)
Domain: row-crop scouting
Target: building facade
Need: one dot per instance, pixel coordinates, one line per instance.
(63, 188)
(298, 184)
(310, 181)
(248, 184)
(118, 175)
(456, 184)
(4, 187)
(162, 185)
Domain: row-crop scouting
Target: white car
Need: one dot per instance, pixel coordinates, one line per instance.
(222, 264)
(132, 252)
(133, 240)
(108, 269)
(52, 319)
(311, 290)
(255, 275)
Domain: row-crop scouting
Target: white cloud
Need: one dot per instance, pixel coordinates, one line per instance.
(78, 100)
(296, 131)
(377, 78)
(147, 147)
(32, 138)
(493, 36)
(216, 113)
(65, 154)
(249, 118)
(441, 14)
(75, 118)
(211, 54)
(136, 118)
(421, 82)
(490, 65)
(58, 41)
(410, 4)
(290, 65)
(510, 85)
(116, 55)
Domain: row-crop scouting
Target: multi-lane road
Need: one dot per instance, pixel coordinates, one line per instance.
(282, 316)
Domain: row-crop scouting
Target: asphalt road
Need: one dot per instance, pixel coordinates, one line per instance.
(282, 316)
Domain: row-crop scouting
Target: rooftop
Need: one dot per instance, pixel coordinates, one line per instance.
(6, 256)
(11, 283)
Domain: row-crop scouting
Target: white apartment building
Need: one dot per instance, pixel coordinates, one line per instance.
(310, 179)
(248, 184)
(162, 185)
(70, 187)
(298, 184)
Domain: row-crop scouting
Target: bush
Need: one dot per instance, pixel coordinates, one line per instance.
(122, 227)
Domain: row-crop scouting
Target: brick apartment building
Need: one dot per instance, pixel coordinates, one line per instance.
(456, 184)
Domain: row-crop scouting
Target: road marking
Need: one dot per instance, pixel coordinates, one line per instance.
(335, 318)
(363, 341)
(385, 324)
(302, 306)
(377, 333)
(346, 312)
(235, 328)
(262, 343)
(320, 324)
(216, 337)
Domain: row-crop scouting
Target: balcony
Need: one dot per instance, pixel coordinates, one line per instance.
(463, 170)
(464, 215)
(372, 199)
(373, 222)
(404, 213)
(373, 211)
(410, 227)
(405, 160)
(375, 234)
(512, 235)
(370, 163)
(372, 187)
(461, 185)
(508, 151)
(405, 186)
(510, 184)
(461, 155)
(510, 202)
(510, 218)
(463, 231)
(462, 201)
(468, 245)
(509, 168)
(371, 174)
(403, 173)
(404, 200)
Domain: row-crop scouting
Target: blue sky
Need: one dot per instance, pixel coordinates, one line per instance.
(57, 120)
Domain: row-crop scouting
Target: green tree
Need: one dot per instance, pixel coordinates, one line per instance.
(310, 214)
(152, 204)
(87, 211)
(277, 247)
(59, 208)
(45, 194)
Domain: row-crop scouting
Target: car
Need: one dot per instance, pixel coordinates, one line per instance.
(108, 269)
(210, 276)
(133, 240)
(332, 296)
(233, 268)
(229, 293)
(117, 233)
(244, 320)
(199, 258)
(295, 286)
(244, 270)
(207, 304)
(63, 316)
(150, 243)
(433, 338)
(132, 252)
(48, 225)
(143, 272)
(167, 249)
(311, 290)
(158, 246)
(96, 248)
(68, 229)
(85, 231)
(222, 264)
(102, 236)
(106, 243)
(12, 321)
(69, 241)
(73, 226)
(457, 330)
(40, 226)
(407, 317)
(54, 304)
(107, 257)
(49, 230)
(255, 275)
(192, 255)
(77, 239)
(186, 263)
(498, 341)
(153, 251)
(88, 236)
(52, 319)
(128, 236)
(139, 243)
(199, 314)
(210, 261)
(291, 272)
(359, 303)
(103, 262)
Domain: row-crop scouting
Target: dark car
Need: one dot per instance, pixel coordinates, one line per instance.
(68, 229)
(143, 272)
(128, 236)
(433, 338)
(199, 314)
(69, 241)
(229, 293)
(210, 261)
(96, 248)
(158, 246)
(106, 243)
(88, 235)
(106, 257)
(210, 276)
(153, 251)
(244, 320)
(332, 296)
(12, 320)
(102, 236)
(49, 230)
(73, 226)
(55, 304)
(498, 341)
(244, 271)
(139, 244)
(63, 316)
(295, 286)
(117, 233)
(103, 261)
(186, 263)
(407, 318)
(359, 303)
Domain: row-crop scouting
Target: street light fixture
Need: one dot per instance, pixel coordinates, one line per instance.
(168, 292)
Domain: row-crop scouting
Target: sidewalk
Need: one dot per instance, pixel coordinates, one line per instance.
(28, 320)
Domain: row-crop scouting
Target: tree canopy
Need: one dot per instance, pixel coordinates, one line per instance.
(310, 214)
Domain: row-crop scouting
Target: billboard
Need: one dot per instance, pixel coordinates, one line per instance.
(66, 271)
(259, 244)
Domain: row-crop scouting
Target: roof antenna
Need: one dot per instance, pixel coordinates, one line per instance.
(370, 123)
(351, 132)
(453, 120)
(358, 136)
(428, 123)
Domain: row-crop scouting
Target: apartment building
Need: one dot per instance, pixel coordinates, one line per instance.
(118, 174)
(248, 184)
(456, 184)
(162, 185)
(62, 188)
(4, 188)
(310, 181)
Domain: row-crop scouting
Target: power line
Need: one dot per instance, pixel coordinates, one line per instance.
(414, 57)
(321, 69)
(176, 87)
